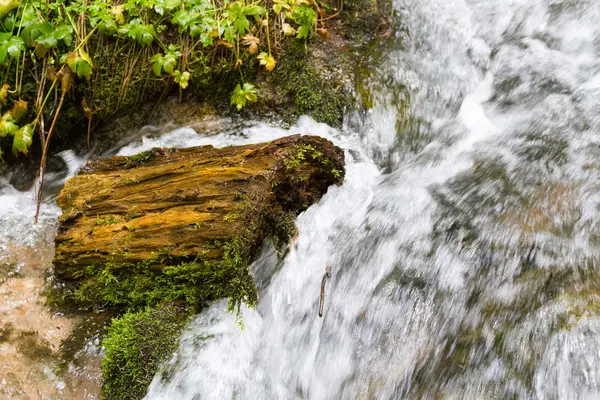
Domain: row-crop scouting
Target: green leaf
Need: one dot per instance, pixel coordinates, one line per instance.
(254, 11)
(144, 34)
(80, 63)
(9, 22)
(11, 45)
(166, 62)
(237, 16)
(243, 94)
(306, 17)
(161, 5)
(22, 140)
(157, 64)
(7, 125)
(181, 78)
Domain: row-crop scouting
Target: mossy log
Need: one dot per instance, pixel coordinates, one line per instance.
(207, 207)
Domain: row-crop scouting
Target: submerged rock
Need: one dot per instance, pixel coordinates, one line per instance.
(184, 224)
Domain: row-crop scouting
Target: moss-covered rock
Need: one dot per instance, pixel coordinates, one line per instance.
(136, 346)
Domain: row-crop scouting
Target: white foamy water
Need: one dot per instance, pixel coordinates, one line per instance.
(464, 243)
(469, 270)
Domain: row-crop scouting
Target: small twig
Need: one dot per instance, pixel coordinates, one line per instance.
(323, 282)
(65, 80)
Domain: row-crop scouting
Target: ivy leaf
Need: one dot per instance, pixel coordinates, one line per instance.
(22, 140)
(80, 63)
(7, 124)
(267, 60)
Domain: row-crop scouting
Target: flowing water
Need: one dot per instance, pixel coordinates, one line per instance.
(463, 244)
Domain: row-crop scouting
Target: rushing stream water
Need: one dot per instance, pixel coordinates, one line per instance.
(463, 243)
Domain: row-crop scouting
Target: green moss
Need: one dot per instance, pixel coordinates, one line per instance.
(139, 159)
(306, 90)
(136, 346)
(110, 220)
(304, 154)
(134, 286)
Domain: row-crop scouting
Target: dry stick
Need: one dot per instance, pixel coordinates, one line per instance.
(336, 14)
(89, 133)
(65, 88)
(323, 282)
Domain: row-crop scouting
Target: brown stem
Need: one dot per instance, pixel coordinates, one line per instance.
(44, 154)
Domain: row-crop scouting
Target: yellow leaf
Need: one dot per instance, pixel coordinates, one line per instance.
(225, 43)
(238, 63)
(19, 109)
(324, 33)
(117, 11)
(252, 42)
(287, 29)
(4, 93)
(267, 60)
(87, 111)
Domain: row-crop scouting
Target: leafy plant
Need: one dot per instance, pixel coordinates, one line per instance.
(305, 16)
(243, 94)
(181, 78)
(80, 63)
(166, 62)
(267, 60)
(143, 34)
(11, 46)
(22, 139)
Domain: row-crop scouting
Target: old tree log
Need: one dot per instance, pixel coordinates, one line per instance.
(184, 224)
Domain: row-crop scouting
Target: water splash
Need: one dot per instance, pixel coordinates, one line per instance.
(470, 269)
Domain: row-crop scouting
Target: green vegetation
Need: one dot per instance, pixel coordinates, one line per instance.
(111, 220)
(136, 346)
(303, 152)
(296, 79)
(127, 286)
(101, 53)
(138, 159)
